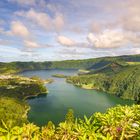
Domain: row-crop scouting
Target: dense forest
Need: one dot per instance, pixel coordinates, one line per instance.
(123, 81)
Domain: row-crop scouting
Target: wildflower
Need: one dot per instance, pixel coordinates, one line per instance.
(119, 129)
(135, 125)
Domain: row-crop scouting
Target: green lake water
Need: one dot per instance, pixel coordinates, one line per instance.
(63, 96)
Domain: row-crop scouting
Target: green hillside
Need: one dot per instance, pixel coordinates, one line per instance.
(90, 64)
(13, 92)
(124, 82)
(20, 87)
(109, 69)
(117, 75)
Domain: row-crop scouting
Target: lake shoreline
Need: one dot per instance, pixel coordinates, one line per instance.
(86, 87)
(63, 96)
(35, 96)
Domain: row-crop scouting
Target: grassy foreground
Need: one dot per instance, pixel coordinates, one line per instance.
(118, 123)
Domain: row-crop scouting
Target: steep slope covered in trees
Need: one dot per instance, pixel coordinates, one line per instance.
(125, 83)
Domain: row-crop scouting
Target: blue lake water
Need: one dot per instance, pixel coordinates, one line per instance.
(63, 96)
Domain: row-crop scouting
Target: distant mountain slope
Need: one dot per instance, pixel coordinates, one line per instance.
(119, 75)
(90, 64)
(109, 69)
(131, 58)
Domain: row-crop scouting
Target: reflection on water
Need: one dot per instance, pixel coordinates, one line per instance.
(63, 96)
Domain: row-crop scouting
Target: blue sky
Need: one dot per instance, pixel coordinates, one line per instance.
(44, 30)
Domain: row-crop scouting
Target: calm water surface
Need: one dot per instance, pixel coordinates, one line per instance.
(63, 96)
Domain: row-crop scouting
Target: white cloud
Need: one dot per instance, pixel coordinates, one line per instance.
(7, 42)
(8, 50)
(132, 15)
(107, 39)
(19, 29)
(126, 17)
(39, 18)
(43, 19)
(65, 41)
(58, 22)
(131, 24)
(136, 51)
(133, 38)
(112, 25)
(30, 44)
(123, 15)
(114, 38)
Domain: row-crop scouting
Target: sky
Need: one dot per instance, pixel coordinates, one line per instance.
(50, 30)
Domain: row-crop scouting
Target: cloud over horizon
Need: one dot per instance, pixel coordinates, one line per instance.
(19, 29)
(65, 41)
(91, 28)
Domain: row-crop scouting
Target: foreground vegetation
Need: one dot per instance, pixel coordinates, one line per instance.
(118, 123)
(13, 112)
